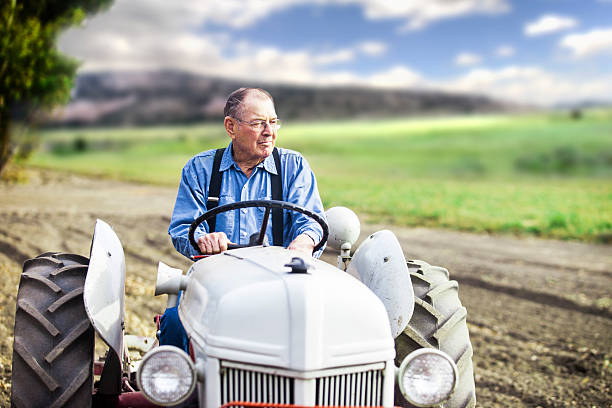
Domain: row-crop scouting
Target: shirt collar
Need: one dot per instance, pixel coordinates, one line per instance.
(227, 161)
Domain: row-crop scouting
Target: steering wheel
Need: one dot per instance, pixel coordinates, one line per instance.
(268, 205)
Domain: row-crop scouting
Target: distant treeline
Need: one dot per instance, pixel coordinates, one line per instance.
(147, 98)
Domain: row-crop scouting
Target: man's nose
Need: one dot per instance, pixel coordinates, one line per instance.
(267, 129)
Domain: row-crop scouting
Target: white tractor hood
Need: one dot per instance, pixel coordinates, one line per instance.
(245, 305)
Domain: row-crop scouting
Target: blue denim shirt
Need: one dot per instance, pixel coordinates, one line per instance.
(299, 187)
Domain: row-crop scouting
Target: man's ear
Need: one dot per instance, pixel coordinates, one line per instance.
(230, 127)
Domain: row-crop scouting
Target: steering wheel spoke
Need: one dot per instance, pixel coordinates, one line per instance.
(264, 227)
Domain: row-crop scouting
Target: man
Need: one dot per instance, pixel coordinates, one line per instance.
(247, 167)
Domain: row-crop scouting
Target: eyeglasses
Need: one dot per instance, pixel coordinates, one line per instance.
(260, 124)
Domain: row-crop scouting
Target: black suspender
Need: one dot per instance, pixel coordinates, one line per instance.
(214, 189)
(277, 194)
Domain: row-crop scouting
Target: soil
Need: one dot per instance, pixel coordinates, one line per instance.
(539, 311)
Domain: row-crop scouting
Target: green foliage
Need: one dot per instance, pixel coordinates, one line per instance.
(33, 73)
(563, 160)
(32, 69)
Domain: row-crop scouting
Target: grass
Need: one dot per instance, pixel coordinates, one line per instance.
(545, 175)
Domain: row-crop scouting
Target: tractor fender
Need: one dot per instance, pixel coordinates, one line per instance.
(103, 293)
(380, 264)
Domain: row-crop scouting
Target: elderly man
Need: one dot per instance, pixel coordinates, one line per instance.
(250, 168)
(246, 170)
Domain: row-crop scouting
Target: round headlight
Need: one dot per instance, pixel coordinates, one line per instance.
(427, 377)
(166, 375)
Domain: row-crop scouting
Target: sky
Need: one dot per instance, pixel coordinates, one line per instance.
(543, 52)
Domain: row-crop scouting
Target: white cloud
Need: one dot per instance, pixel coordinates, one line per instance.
(238, 14)
(367, 48)
(467, 58)
(529, 84)
(344, 55)
(418, 14)
(548, 24)
(213, 55)
(372, 48)
(233, 13)
(505, 51)
(594, 42)
(395, 77)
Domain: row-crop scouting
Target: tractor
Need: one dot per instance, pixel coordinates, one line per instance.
(267, 327)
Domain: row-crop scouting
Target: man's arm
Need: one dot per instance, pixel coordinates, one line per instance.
(303, 231)
(190, 203)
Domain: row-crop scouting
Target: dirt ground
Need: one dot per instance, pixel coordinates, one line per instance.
(539, 312)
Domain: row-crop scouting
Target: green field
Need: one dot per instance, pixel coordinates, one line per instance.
(545, 175)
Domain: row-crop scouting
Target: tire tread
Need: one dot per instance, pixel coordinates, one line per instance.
(54, 340)
(30, 360)
(439, 321)
(29, 309)
(67, 341)
(65, 299)
(72, 388)
(36, 277)
(69, 268)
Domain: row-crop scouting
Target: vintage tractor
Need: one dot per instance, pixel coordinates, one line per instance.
(267, 327)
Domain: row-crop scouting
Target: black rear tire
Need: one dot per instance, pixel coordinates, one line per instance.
(439, 321)
(53, 347)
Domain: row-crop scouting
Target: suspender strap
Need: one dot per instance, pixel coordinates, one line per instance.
(277, 194)
(214, 189)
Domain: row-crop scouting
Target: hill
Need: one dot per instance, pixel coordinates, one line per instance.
(147, 98)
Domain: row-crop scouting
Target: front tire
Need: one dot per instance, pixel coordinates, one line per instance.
(439, 321)
(53, 346)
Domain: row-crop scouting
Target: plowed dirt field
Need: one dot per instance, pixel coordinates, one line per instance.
(539, 312)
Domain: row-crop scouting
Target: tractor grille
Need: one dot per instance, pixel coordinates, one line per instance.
(252, 386)
(349, 386)
(355, 389)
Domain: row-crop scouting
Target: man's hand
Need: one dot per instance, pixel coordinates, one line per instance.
(302, 243)
(213, 243)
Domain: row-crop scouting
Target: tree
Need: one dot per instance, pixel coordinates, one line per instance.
(33, 73)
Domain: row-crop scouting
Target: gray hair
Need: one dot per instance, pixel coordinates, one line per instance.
(234, 100)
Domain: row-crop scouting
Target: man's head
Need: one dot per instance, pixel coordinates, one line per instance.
(250, 122)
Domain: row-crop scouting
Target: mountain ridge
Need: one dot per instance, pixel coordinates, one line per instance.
(166, 97)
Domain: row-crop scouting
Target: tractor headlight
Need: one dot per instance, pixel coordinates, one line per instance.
(427, 377)
(166, 376)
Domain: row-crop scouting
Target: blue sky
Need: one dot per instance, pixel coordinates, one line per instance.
(536, 51)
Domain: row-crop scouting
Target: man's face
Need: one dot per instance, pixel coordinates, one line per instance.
(250, 143)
